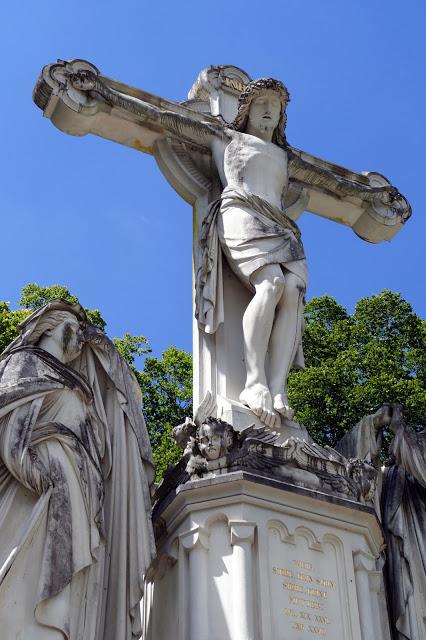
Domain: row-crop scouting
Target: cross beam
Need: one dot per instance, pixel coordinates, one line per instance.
(321, 187)
(79, 100)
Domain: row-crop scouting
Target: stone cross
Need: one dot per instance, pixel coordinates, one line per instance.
(79, 100)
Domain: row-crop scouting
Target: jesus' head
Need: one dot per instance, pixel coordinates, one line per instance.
(263, 104)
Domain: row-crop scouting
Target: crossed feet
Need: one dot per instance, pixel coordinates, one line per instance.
(258, 398)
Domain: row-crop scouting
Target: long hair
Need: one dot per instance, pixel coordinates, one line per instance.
(253, 90)
(49, 321)
(47, 317)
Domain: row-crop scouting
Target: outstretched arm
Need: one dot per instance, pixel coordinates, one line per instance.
(180, 125)
(335, 180)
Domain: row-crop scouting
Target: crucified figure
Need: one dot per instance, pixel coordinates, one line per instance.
(249, 225)
(262, 245)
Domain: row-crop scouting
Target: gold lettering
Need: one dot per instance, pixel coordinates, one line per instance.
(290, 612)
(288, 573)
(304, 577)
(322, 619)
(303, 565)
(326, 583)
(316, 630)
(293, 587)
(305, 615)
(316, 592)
(311, 604)
(298, 625)
(233, 83)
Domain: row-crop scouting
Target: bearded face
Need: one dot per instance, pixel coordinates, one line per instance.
(265, 111)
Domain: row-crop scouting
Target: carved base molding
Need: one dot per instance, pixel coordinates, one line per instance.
(244, 557)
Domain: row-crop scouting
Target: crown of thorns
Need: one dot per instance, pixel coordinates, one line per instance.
(260, 85)
(251, 91)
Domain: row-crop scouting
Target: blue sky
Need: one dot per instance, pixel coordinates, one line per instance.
(101, 219)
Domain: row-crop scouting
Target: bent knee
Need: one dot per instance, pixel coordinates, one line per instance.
(273, 287)
(294, 285)
(294, 290)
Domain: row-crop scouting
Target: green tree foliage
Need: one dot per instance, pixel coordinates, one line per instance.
(131, 347)
(166, 385)
(9, 320)
(355, 363)
(33, 297)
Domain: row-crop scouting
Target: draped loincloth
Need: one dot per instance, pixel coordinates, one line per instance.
(252, 233)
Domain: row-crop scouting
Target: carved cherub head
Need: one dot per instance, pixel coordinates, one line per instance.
(215, 438)
(250, 98)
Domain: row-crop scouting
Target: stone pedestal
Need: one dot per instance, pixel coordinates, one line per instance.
(245, 557)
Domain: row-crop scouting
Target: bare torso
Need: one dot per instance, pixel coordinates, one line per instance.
(248, 162)
(259, 167)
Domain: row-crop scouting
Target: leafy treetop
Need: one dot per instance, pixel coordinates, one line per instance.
(356, 362)
(33, 297)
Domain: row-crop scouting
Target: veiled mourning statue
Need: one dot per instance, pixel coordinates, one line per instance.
(402, 510)
(75, 474)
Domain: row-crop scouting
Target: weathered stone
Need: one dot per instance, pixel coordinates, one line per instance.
(75, 470)
(227, 537)
(224, 151)
(401, 506)
(214, 447)
(259, 558)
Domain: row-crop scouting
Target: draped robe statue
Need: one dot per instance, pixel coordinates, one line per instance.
(402, 509)
(75, 469)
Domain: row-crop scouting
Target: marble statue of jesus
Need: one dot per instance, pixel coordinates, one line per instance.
(261, 243)
(249, 223)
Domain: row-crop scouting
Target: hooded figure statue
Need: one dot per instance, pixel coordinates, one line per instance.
(75, 473)
(401, 506)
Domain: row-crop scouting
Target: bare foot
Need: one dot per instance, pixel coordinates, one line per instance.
(258, 398)
(282, 406)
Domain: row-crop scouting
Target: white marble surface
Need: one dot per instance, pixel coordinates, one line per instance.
(76, 470)
(187, 142)
(254, 561)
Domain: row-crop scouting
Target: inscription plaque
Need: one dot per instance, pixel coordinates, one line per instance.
(304, 588)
